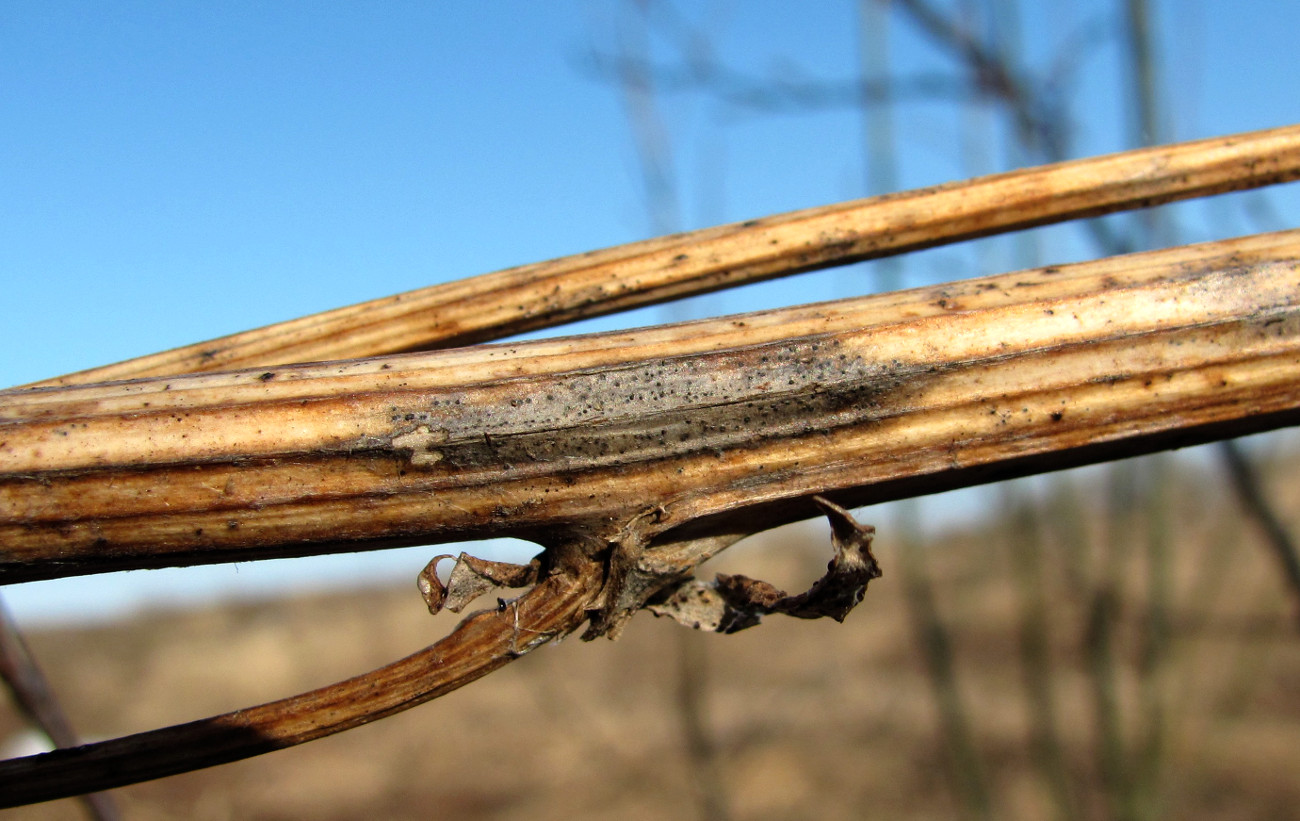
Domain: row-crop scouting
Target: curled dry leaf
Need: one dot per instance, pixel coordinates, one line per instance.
(470, 578)
(730, 603)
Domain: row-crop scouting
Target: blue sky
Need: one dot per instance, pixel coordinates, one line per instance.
(174, 171)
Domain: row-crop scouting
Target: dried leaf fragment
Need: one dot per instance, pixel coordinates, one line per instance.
(470, 578)
(731, 603)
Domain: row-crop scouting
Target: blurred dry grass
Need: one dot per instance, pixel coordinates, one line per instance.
(1124, 654)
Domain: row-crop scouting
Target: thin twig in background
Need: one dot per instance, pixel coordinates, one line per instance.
(1040, 122)
(1105, 616)
(692, 710)
(1250, 494)
(880, 146)
(965, 770)
(1026, 546)
(1151, 747)
(1102, 675)
(33, 695)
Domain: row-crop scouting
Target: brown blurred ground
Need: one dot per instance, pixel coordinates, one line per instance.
(803, 719)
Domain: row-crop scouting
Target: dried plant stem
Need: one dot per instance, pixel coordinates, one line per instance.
(559, 291)
(719, 427)
(483, 643)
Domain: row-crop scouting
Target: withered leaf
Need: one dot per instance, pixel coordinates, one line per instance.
(470, 578)
(731, 603)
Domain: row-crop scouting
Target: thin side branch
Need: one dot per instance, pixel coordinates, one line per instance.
(482, 643)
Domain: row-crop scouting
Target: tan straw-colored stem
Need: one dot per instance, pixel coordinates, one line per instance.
(552, 293)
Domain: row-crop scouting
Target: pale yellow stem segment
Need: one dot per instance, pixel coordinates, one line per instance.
(552, 293)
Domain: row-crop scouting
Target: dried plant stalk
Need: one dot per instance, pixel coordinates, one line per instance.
(601, 282)
(483, 643)
(704, 430)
